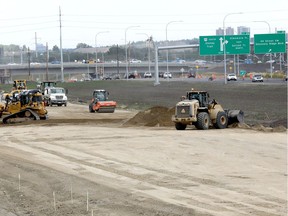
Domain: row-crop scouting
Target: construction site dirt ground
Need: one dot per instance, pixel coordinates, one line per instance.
(128, 163)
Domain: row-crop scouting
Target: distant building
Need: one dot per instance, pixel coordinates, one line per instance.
(219, 31)
(229, 31)
(40, 48)
(242, 29)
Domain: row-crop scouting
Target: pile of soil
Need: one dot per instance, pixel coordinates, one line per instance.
(160, 116)
(155, 116)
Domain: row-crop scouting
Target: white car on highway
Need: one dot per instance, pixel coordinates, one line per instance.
(147, 75)
(231, 76)
(167, 75)
(135, 61)
(257, 78)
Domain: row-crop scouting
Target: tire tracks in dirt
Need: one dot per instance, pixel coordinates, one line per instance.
(203, 195)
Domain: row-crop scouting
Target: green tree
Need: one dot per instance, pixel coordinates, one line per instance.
(55, 48)
(112, 53)
(83, 45)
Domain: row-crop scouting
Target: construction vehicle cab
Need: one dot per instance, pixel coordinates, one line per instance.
(19, 85)
(201, 96)
(100, 102)
(196, 109)
(100, 95)
(46, 84)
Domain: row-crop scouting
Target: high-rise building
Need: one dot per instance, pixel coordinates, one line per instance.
(229, 31)
(241, 29)
(219, 31)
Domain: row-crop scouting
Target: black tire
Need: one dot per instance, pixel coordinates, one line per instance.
(180, 126)
(91, 109)
(221, 120)
(203, 121)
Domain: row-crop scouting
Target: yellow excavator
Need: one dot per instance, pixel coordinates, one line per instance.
(23, 106)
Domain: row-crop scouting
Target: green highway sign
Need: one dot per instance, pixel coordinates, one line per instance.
(280, 32)
(269, 43)
(242, 72)
(234, 44)
(237, 44)
(210, 45)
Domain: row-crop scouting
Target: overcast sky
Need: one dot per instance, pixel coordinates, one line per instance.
(83, 20)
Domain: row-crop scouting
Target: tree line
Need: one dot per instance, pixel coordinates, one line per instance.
(136, 50)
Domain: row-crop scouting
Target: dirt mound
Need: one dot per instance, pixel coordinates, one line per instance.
(161, 117)
(155, 116)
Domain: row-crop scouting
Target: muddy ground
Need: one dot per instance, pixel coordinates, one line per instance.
(134, 162)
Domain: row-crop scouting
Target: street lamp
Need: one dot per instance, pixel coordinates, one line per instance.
(29, 63)
(96, 63)
(126, 57)
(149, 42)
(270, 54)
(167, 51)
(224, 44)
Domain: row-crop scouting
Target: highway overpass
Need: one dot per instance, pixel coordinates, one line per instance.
(53, 71)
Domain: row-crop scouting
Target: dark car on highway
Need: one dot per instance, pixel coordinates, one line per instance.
(130, 76)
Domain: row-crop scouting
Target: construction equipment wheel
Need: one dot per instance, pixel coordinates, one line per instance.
(203, 121)
(91, 109)
(27, 114)
(221, 120)
(180, 126)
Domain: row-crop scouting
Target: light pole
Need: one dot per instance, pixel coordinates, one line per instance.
(126, 56)
(224, 44)
(270, 54)
(96, 63)
(149, 56)
(167, 51)
(29, 63)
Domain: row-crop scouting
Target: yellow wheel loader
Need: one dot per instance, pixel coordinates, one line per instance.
(196, 109)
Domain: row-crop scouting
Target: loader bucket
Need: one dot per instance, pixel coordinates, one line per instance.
(235, 116)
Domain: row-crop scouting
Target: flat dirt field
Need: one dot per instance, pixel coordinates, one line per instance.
(100, 164)
(136, 163)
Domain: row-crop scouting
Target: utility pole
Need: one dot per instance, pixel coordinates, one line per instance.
(29, 69)
(117, 60)
(36, 53)
(61, 51)
(47, 59)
